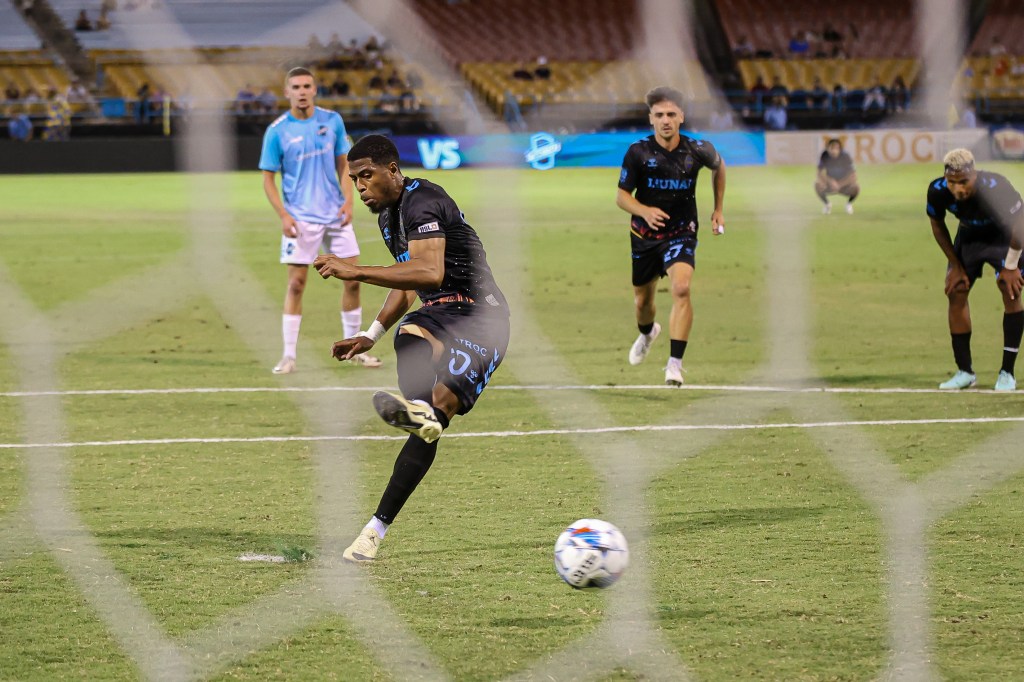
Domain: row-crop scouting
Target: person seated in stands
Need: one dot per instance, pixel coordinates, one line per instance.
(875, 96)
(335, 44)
(245, 100)
(522, 73)
(775, 114)
(839, 97)
(899, 95)
(19, 127)
(779, 90)
(798, 46)
(31, 96)
(743, 49)
(758, 92)
(83, 23)
(820, 97)
(58, 118)
(339, 88)
(832, 39)
(142, 111)
(314, 45)
(335, 62)
(376, 82)
(389, 102)
(103, 22)
(408, 101)
(266, 101)
(542, 70)
(968, 118)
(76, 92)
(12, 93)
(372, 48)
(395, 80)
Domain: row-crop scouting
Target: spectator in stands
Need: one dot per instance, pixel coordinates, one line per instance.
(395, 80)
(245, 100)
(19, 127)
(12, 93)
(876, 95)
(408, 101)
(335, 62)
(836, 175)
(522, 73)
(266, 101)
(996, 49)
(798, 46)
(821, 98)
(414, 79)
(833, 39)
(389, 102)
(335, 44)
(758, 92)
(314, 45)
(157, 103)
(542, 70)
(76, 92)
(968, 117)
(339, 88)
(108, 6)
(376, 82)
(839, 97)
(58, 118)
(103, 22)
(30, 96)
(775, 114)
(899, 95)
(779, 91)
(142, 105)
(83, 23)
(743, 49)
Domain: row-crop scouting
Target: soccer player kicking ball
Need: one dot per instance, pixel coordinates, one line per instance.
(990, 231)
(662, 169)
(447, 349)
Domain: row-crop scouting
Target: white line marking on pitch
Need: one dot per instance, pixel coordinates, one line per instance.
(584, 387)
(264, 558)
(513, 434)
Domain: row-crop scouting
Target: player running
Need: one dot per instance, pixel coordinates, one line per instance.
(662, 169)
(447, 349)
(991, 225)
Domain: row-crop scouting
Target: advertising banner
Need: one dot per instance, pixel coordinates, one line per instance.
(543, 151)
(875, 146)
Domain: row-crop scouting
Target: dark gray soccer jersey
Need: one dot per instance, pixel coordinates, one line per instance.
(425, 211)
(837, 167)
(988, 215)
(667, 180)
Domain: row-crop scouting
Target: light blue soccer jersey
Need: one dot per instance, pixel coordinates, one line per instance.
(305, 153)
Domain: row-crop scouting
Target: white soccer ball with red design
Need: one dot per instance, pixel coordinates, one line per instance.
(591, 553)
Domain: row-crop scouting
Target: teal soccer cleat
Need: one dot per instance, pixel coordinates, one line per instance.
(1006, 382)
(959, 381)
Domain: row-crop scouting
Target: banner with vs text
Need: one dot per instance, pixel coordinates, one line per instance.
(543, 151)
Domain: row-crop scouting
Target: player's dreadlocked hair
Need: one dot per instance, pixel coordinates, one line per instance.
(377, 148)
(959, 161)
(664, 94)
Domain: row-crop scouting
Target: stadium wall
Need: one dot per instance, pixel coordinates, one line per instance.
(876, 146)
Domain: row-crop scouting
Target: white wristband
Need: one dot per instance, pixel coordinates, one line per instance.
(1012, 261)
(375, 331)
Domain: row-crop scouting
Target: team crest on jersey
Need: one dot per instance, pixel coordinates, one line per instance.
(652, 162)
(688, 163)
(322, 130)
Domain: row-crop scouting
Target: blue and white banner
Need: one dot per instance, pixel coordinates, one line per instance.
(543, 151)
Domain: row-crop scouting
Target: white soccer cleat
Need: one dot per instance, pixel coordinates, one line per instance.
(364, 548)
(827, 208)
(285, 366)
(642, 345)
(1006, 381)
(364, 360)
(673, 374)
(849, 208)
(959, 381)
(415, 417)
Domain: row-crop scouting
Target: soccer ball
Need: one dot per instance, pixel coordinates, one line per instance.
(591, 553)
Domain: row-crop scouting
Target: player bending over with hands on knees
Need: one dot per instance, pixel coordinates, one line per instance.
(990, 230)
(448, 348)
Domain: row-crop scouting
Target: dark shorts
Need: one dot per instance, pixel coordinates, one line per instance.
(475, 340)
(651, 259)
(974, 255)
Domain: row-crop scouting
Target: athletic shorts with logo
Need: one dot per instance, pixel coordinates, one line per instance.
(974, 254)
(652, 259)
(334, 238)
(475, 339)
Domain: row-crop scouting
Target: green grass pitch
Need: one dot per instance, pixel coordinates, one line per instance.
(779, 553)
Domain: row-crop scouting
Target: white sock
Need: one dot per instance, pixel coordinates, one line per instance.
(675, 362)
(290, 330)
(351, 322)
(378, 525)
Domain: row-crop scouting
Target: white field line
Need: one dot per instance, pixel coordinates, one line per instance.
(538, 387)
(521, 434)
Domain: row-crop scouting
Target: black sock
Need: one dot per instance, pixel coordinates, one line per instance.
(416, 373)
(962, 351)
(852, 197)
(411, 466)
(823, 197)
(645, 329)
(1013, 330)
(677, 348)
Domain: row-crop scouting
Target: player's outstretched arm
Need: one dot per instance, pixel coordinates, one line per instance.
(423, 270)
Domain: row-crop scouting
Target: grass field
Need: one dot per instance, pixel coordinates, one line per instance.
(783, 534)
